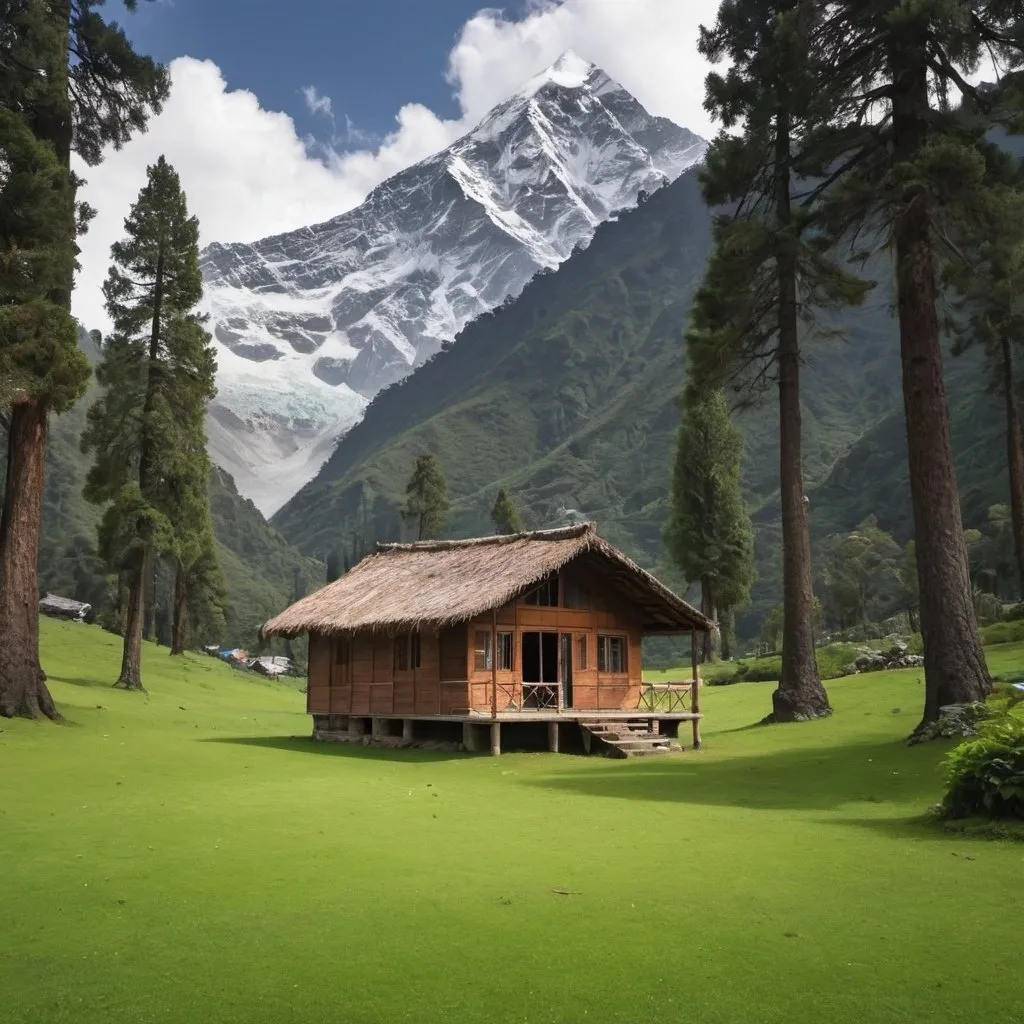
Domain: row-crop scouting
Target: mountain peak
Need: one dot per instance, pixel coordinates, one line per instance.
(570, 71)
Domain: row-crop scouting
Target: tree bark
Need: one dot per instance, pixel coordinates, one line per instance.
(131, 658)
(954, 666)
(1014, 460)
(800, 695)
(23, 690)
(179, 626)
(707, 607)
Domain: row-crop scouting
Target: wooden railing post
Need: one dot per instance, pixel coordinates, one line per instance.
(494, 663)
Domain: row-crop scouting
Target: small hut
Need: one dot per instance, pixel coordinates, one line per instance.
(537, 633)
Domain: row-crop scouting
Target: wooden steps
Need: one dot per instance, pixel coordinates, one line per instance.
(630, 738)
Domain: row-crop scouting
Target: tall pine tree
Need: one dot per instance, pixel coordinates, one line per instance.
(909, 172)
(146, 430)
(709, 534)
(505, 515)
(427, 504)
(768, 272)
(72, 82)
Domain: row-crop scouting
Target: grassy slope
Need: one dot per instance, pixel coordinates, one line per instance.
(177, 857)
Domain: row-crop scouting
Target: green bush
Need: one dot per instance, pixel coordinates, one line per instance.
(986, 775)
(1003, 632)
(1014, 612)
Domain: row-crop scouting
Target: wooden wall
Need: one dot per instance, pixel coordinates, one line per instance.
(368, 682)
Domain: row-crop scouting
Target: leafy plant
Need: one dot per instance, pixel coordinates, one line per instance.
(986, 775)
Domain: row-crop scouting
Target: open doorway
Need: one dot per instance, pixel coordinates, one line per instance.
(540, 670)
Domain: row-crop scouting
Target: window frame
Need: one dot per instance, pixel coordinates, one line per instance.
(546, 586)
(604, 654)
(407, 652)
(483, 654)
(506, 646)
(582, 653)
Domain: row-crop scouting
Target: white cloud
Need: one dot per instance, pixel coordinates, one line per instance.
(316, 103)
(248, 174)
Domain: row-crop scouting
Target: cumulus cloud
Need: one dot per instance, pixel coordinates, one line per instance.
(248, 173)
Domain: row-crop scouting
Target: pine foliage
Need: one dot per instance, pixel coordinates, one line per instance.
(427, 501)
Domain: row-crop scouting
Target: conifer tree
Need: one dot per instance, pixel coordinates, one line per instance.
(505, 515)
(909, 173)
(426, 498)
(69, 82)
(709, 534)
(990, 283)
(157, 372)
(768, 272)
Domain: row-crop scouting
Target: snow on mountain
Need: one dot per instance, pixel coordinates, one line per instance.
(309, 325)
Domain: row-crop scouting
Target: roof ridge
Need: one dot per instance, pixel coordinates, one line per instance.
(558, 533)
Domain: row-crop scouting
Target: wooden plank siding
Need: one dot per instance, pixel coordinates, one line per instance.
(447, 680)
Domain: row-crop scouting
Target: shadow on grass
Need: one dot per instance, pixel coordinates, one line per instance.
(89, 684)
(307, 745)
(808, 779)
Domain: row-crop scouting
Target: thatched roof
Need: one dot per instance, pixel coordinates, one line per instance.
(434, 584)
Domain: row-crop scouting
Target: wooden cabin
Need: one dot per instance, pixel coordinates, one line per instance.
(516, 630)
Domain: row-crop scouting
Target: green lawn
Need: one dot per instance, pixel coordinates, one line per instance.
(177, 857)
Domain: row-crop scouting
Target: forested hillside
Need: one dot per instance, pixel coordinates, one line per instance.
(261, 569)
(567, 399)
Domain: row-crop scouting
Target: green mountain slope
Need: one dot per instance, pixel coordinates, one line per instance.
(566, 397)
(261, 568)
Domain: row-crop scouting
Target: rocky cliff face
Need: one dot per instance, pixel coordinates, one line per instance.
(311, 324)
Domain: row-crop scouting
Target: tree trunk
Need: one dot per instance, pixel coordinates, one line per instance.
(800, 695)
(1014, 460)
(131, 659)
(23, 689)
(179, 627)
(954, 666)
(707, 608)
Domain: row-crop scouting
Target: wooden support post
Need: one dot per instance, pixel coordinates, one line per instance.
(495, 739)
(494, 663)
(406, 728)
(553, 737)
(695, 690)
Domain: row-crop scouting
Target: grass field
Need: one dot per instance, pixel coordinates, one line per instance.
(178, 857)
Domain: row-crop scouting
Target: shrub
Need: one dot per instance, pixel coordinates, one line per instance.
(1003, 632)
(1014, 612)
(986, 775)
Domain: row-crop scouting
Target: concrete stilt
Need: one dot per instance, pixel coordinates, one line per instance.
(407, 728)
(553, 737)
(495, 738)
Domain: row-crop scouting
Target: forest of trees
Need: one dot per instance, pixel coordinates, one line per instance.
(847, 130)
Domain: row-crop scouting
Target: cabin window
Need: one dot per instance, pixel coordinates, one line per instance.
(483, 652)
(611, 654)
(407, 652)
(546, 595)
(582, 654)
(341, 652)
(575, 593)
(505, 649)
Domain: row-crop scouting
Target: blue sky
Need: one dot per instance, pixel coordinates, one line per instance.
(368, 56)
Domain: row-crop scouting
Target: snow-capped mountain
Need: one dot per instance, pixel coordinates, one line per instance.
(311, 324)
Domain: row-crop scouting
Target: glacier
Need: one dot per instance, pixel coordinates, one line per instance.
(310, 324)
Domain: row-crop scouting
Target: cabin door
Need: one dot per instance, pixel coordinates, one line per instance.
(565, 668)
